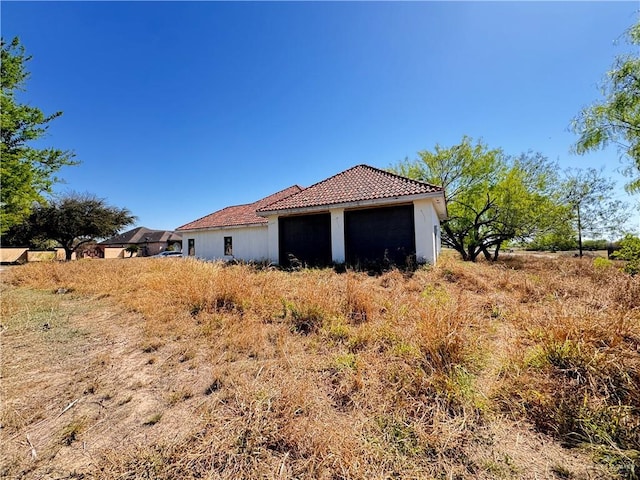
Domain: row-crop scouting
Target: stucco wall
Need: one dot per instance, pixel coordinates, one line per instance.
(427, 239)
(273, 237)
(249, 243)
(33, 256)
(116, 252)
(337, 235)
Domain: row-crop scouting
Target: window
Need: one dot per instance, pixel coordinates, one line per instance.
(191, 249)
(228, 246)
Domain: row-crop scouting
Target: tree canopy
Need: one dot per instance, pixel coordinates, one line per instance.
(616, 118)
(27, 172)
(593, 210)
(492, 198)
(74, 220)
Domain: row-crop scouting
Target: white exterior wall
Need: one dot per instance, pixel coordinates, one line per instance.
(438, 236)
(273, 237)
(258, 243)
(427, 238)
(249, 243)
(337, 235)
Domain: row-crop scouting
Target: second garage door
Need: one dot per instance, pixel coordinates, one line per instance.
(379, 235)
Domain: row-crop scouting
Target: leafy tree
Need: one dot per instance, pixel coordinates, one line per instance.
(630, 251)
(616, 118)
(560, 237)
(491, 198)
(593, 210)
(595, 245)
(20, 235)
(75, 220)
(27, 172)
(131, 249)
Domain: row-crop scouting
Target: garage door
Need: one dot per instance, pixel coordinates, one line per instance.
(375, 234)
(307, 238)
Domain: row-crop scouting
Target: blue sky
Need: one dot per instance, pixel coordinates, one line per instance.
(177, 109)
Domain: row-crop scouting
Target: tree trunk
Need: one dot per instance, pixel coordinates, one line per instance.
(579, 232)
(462, 253)
(495, 254)
(472, 253)
(68, 252)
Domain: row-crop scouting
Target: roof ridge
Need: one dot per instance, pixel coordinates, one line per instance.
(334, 176)
(354, 184)
(311, 186)
(401, 177)
(279, 199)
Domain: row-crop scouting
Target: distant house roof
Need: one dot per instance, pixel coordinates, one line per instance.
(361, 183)
(142, 235)
(239, 215)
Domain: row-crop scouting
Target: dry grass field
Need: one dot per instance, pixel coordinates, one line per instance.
(175, 369)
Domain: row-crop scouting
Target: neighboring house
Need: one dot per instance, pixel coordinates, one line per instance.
(10, 255)
(148, 241)
(360, 216)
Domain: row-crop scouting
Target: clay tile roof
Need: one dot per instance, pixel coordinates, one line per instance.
(356, 184)
(239, 214)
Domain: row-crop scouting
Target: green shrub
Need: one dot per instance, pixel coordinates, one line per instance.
(600, 263)
(553, 242)
(629, 251)
(593, 245)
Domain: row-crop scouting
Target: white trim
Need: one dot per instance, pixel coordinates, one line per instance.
(378, 202)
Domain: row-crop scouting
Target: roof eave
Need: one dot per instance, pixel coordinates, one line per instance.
(224, 227)
(441, 208)
(360, 203)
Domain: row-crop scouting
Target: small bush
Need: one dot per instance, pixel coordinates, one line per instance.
(629, 251)
(306, 319)
(153, 419)
(602, 263)
(594, 245)
(71, 432)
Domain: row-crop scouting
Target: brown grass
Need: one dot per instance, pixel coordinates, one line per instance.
(145, 368)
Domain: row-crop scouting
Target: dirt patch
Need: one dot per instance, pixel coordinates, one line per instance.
(76, 382)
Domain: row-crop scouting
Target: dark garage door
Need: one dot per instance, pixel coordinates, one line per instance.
(373, 233)
(306, 237)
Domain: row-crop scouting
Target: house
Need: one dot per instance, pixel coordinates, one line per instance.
(149, 242)
(233, 232)
(9, 255)
(360, 216)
